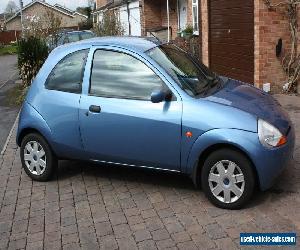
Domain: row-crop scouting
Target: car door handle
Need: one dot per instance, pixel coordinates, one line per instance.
(95, 109)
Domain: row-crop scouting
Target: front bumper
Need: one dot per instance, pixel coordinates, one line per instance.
(271, 162)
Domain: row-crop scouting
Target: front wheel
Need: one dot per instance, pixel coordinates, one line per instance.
(37, 158)
(228, 179)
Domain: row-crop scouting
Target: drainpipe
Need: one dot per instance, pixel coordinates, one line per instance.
(168, 14)
(178, 16)
(128, 15)
(21, 12)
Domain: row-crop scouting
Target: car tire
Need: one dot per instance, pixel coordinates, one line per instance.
(38, 160)
(228, 179)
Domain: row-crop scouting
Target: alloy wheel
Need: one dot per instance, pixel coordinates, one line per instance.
(35, 158)
(226, 181)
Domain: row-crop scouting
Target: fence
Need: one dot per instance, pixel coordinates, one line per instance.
(6, 37)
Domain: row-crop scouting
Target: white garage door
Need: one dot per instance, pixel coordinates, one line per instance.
(134, 18)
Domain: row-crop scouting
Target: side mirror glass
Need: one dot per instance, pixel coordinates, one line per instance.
(158, 96)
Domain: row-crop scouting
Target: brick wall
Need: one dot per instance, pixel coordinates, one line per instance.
(190, 12)
(173, 17)
(151, 12)
(270, 25)
(154, 15)
(204, 28)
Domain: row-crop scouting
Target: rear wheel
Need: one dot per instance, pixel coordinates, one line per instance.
(37, 158)
(228, 179)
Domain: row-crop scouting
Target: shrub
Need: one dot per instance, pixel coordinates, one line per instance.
(189, 29)
(110, 25)
(32, 52)
(86, 25)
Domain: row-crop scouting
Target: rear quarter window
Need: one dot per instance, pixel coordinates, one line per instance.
(68, 73)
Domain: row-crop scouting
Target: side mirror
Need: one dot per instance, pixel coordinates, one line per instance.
(160, 96)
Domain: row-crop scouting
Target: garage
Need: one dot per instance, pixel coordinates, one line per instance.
(134, 20)
(231, 38)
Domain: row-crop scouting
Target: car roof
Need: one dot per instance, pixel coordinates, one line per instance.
(140, 44)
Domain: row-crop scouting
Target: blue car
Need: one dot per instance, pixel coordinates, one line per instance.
(135, 102)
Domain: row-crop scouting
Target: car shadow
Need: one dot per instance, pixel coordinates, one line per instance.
(287, 184)
(73, 169)
(69, 169)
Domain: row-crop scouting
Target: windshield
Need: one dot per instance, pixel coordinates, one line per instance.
(192, 76)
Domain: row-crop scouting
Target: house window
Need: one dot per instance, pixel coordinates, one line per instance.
(195, 17)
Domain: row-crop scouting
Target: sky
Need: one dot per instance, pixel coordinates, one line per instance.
(72, 4)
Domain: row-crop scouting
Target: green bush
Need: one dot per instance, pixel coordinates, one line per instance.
(110, 25)
(189, 29)
(86, 25)
(32, 53)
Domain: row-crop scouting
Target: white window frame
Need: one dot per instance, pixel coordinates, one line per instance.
(195, 5)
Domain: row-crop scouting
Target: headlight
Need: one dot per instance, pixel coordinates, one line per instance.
(270, 136)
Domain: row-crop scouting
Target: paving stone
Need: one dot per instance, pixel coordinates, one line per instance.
(103, 228)
(35, 245)
(163, 244)
(117, 218)
(108, 242)
(148, 213)
(214, 231)
(70, 238)
(142, 235)
(86, 207)
(160, 234)
(17, 244)
(127, 243)
(188, 245)
(226, 243)
(174, 227)
(181, 237)
(122, 231)
(147, 245)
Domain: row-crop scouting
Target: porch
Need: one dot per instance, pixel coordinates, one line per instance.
(164, 19)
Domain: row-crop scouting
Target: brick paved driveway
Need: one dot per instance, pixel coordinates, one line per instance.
(92, 207)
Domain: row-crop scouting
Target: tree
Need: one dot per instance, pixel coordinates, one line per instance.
(53, 24)
(91, 3)
(110, 25)
(11, 7)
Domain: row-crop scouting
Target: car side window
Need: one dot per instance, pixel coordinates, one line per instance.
(119, 75)
(68, 73)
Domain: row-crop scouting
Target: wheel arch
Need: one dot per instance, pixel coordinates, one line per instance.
(26, 131)
(196, 174)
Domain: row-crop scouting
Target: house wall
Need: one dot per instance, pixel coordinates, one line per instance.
(154, 15)
(151, 12)
(100, 3)
(189, 12)
(270, 25)
(41, 11)
(173, 17)
(204, 22)
(14, 24)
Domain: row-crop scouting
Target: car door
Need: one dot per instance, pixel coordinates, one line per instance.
(60, 100)
(118, 121)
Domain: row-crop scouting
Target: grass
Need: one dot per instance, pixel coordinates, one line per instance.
(8, 50)
(16, 95)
